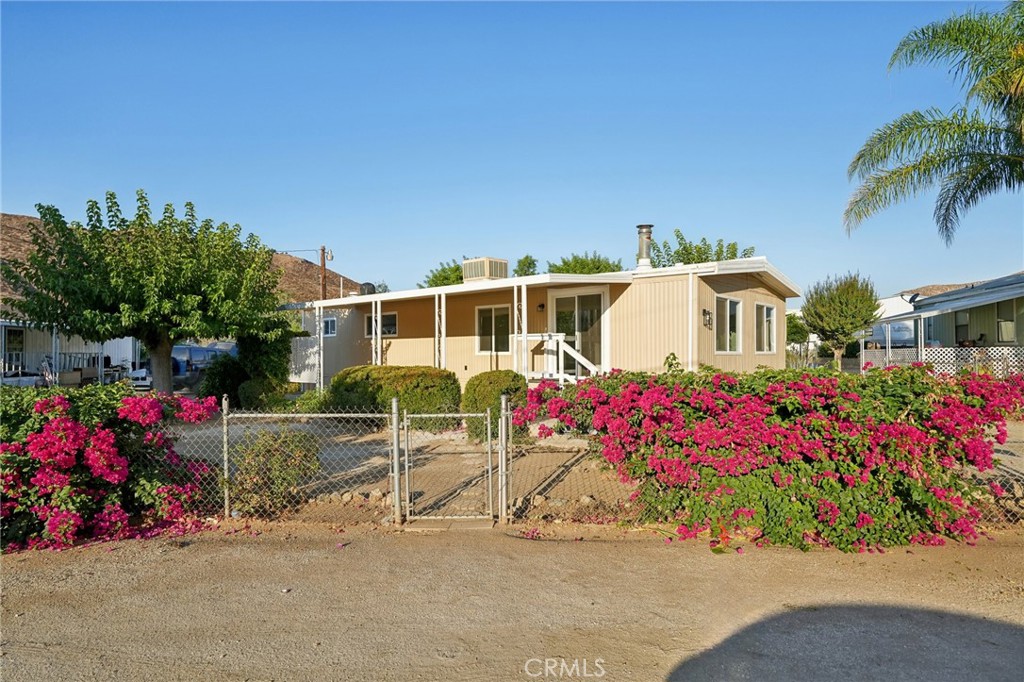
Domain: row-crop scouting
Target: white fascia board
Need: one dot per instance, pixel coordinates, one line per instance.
(470, 287)
(738, 266)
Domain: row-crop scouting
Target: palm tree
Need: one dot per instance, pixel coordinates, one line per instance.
(971, 152)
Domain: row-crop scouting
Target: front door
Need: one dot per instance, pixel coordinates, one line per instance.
(579, 317)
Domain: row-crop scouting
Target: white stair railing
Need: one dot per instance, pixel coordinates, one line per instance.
(555, 352)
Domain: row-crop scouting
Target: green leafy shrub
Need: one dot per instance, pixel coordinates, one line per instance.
(795, 457)
(313, 401)
(223, 377)
(271, 468)
(90, 404)
(419, 390)
(485, 390)
(261, 394)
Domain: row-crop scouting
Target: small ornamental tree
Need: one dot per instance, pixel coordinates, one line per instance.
(443, 275)
(839, 308)
(161, 282)
(686, 252)
(525, 266)
(586, 264)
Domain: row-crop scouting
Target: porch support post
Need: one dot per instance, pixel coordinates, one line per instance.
(524, 347)
(920, 339)
(319, 348)
(516, 326)
(444, 331)
(888, 344)
(437, 332)
(99, 364)
(3, 349)
(53, 346)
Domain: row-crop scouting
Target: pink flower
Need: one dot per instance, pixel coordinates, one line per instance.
(58, 443)
(196, 411)
(864, 520)
(103, 459)
(997, 490)
(57, 403)
(544, 431)
(142, 410)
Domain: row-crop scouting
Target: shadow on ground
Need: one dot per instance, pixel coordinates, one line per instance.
(863, 643)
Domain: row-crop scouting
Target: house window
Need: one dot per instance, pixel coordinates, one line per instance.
(961, 322)
(330, 326)
(764, 320)
(1006, 322)
(727, 325)
(388, 325)
(493, 331)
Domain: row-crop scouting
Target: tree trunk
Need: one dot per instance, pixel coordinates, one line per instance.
(838, 353)
(160, 366)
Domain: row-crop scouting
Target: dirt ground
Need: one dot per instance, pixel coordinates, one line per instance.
(302, 602)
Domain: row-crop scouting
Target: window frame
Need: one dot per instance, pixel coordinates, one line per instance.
(1012, 303)
(739, 325)
(332, 319)
(476, 325)
(367, 323)
(966, 326)
(759, 310)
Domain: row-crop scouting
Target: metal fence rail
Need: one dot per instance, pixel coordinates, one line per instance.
(393, 467)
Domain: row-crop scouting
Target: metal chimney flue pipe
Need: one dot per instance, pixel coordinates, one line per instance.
(643, 255)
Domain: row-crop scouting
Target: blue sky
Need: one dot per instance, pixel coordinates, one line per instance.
(401, 135)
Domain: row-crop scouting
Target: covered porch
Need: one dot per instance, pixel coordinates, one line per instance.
(547, 326)
(29, 354)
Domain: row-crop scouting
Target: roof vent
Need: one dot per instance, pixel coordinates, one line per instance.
(476, 269)
(367, 288)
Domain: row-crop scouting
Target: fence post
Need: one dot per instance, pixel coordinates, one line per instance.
(224, 448)
(490, 467)
(503, 461)
(396, 445)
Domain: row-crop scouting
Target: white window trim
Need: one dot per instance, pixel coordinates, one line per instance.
(1013, 310)
(775, 332)
(476, 326)
(739, 326)
(383, 335)
(324, 323)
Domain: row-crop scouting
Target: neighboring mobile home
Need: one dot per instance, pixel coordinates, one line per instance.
(980, 326)
(729, 314)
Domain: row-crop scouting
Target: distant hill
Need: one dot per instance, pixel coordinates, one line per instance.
(300, 279)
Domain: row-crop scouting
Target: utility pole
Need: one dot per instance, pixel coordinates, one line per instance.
(323, 272)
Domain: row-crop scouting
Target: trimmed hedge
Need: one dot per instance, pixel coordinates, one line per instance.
(418, 389)
(485, 390)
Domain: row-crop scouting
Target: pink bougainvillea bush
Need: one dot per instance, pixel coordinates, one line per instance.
(94, 464)
(795, 457)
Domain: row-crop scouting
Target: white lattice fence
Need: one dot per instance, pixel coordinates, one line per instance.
(998, 361)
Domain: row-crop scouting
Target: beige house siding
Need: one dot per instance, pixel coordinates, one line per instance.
(649, 319)
(749, 291)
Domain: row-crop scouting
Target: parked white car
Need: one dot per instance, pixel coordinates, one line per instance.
(141, 379)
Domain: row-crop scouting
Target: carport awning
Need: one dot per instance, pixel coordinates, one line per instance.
(950, 307)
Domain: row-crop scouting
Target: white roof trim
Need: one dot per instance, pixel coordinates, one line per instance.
(738, 266)
(941, 308)
(754, 265)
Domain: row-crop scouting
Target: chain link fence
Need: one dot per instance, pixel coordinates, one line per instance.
(378, 467)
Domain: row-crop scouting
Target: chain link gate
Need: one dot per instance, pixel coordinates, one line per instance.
(446, 474)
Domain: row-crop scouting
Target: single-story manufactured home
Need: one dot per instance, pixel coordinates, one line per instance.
(980, 326)
(728, 314)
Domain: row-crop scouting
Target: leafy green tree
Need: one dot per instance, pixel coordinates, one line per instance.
(443, 275)
(838, 308)
(687, 252)
(525, 266)
(796, 330)
(973, 151)
(381, 287)
(160, 282)
(586, 264)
